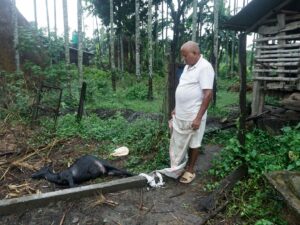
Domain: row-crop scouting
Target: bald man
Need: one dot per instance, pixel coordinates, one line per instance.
(192, 98)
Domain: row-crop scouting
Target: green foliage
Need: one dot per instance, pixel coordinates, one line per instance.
(98, 84)
(137, 92)
(144, 137)
(263, 153)
(254, 203)
(130, 94)
(15, 96)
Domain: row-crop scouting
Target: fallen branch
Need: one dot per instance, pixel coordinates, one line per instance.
(35, 151)
(214, 213)
(209, 203)
(230, 125)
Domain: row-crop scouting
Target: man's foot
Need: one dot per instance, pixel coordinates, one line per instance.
(187, 177)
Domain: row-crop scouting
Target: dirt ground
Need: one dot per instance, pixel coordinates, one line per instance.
(175, 203)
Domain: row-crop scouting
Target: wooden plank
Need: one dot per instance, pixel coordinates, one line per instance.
(275, 51)
(278, 64)
(275, 71)
(281, 181)
(278, 55)
(291, 45)
(278, 60)
(285, 37)
(8, 206)
(292, 26)
(276, 78)
(268, 30)
(288, 18)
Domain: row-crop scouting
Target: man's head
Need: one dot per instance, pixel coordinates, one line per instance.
(190, 52)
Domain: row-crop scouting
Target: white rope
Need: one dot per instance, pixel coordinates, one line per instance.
(151, 179)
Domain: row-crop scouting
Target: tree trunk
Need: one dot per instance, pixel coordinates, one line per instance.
(150, 88)
(137, 40)
(112, 46)
(55, 25)
(162, 29)
(162, 21)
(119, 53)
(67, 47)
(194, 25)
(35, 15)
(156, 54)
(216, 46)
(122, 53)
(66, 32)
(48, 28)
(16, 35)
(167, 22)
(99, 63)
(200, 25)
(80, 37)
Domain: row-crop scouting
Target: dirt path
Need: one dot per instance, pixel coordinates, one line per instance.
(175, 203)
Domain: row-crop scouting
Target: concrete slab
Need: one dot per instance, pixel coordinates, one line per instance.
(8, 206)
(288, 185)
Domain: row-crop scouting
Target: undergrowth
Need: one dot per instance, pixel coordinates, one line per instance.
(253, 199)
(145, 138)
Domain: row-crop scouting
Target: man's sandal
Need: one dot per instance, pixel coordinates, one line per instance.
(187, 177)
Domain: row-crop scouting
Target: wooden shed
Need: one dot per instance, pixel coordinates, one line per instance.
(277, 56)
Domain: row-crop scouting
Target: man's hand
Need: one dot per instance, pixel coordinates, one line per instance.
(196, 124)
(173, 113)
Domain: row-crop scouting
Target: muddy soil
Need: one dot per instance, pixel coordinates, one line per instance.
(175, 203)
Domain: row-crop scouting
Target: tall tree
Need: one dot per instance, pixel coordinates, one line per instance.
(49, 35)
(137, 40)
(35, 15)
(66, 32)
(66, 37)
(122, 53)
(112, 45)
(99, 43)
(216, 46)
(55, 24)
(167, 21)
(194, 23)
(176, 15)
(16, 35)
(48, 22)
(80, 49)
(150, 50)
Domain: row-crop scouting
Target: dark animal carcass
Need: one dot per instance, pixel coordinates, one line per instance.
(83, 169)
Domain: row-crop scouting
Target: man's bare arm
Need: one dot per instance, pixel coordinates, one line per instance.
(207, 96)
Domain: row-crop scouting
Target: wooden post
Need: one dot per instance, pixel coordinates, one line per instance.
(175, 71)
(242, 72)
(81, 102)
(258, 95)
(281, 25)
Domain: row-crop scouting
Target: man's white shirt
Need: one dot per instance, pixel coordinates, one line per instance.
(189, 92)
